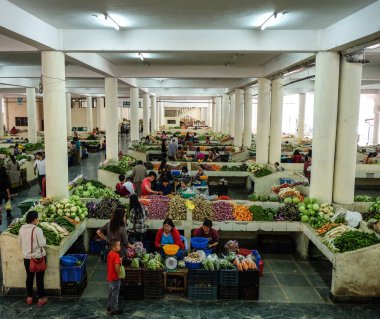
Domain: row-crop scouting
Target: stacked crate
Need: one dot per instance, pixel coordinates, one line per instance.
(74, 279)
(229, 284)
(202, 284)
(133, 284)
(249, 284)
(153, 281)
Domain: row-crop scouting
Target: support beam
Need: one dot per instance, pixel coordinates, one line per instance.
(301, 115)
(263, 121)
(324, 125)
(346, 134)
(247, 135)
(276, 121)
(232, 114)
(153, 109)
(239, 117)
(32, 114)
(54, 102)
(111, 119)
(146, 115)
(134, 109)
(68, 113)
(90, 124)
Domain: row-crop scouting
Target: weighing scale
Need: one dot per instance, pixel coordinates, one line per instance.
(171, 262)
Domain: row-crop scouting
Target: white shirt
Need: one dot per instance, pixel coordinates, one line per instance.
(40, 164)
(39, 241)
(129, 187)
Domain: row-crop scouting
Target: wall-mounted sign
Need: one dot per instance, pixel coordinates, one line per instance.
(127, 104)
(19, 100)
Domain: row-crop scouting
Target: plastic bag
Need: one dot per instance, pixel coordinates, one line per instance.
(8, 205)
(122, 272)
(353, 218)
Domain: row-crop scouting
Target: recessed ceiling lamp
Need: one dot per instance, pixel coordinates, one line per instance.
(106, 19)
(273, 19)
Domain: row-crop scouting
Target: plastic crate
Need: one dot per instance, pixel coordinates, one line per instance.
(229, 277)
(74, 288)
(229, 292)
(26, 204)
(249, 277)
(202, 276)
(133, 277)
(74, 273)
(97, 246)
(249, 292)
(285, 180)
(151, 292)
(153, 278)
(133, 292)
(257, 256)
(202, 292)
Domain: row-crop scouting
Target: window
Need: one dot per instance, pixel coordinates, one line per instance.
(21, 121)
(171, 121)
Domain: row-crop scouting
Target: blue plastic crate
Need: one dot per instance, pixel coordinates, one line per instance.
(97, 246)
(286, 181)
(75, 273)
(257, 258)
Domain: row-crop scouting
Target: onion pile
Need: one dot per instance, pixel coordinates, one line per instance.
(222, 211)
(158, 207)
(177, 208)
(202, 209)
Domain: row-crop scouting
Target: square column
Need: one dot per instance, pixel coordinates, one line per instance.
(275, 138)
(225, 113)
(100, 113)
(239, 117)
(346, 134)
(54, 103)
(232, 115)
(153, 109)
(146, 115)
(68, 113)
(324, 125)
(1, 116)
(247, 134)
(213, 122)
(301, 115)
(134, 94)
(111, 119)
(90, 125)
(32, 113)
(376, 121)
(218, 114)
(263, 121)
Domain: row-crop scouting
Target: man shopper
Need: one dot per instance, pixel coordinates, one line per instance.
(139, 172)
(172, 149)
(40, 169)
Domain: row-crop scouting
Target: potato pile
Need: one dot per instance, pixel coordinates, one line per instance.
(202, 210)
(177, 208)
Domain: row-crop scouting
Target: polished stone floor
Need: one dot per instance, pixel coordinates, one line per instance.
(290, 288)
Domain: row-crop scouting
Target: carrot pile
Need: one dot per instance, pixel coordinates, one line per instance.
(324, 229)
(242, 213)
(244, 263)
(215, 167)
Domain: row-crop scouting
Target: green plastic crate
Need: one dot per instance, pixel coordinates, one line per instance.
(26, 204)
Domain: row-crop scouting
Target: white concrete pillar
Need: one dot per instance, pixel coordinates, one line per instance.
(90, 124)
(254, 116)
(99, 113)
(32, 113)
(376, 121)
(1, 116)
(55, 124)
(121, 114)
(263, 121)
(239, 117)
(247, 134)
(324, 125)
(232, 115)
(134, 109)
(153, 109)
(275, 138)
(301, 115)
(346, 132)
(213, 122)
(68, 113)
(146, 128)
(218, 114)
(225, 113)
(162, 114)
(111, 119)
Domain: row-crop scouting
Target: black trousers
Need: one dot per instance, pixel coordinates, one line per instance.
(30, 280)
(40, 178)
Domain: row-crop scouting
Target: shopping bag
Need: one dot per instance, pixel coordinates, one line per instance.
(122, 272)
(8, 205)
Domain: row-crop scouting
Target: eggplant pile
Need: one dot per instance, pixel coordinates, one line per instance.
(102, 210)
(288, 212)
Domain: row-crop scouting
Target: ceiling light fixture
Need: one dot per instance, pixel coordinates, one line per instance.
(274, 18)
(106, 19)
(141, 57)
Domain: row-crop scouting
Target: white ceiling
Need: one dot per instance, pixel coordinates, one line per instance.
(194, 14)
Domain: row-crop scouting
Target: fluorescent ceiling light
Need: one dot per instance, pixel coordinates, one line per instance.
(273, 19)
(141, 57)
(106, 19)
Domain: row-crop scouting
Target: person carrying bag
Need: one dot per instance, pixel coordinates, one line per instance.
(32, 242)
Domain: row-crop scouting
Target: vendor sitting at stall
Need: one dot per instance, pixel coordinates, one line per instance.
(125, 187)
(184, 186)
(164, 187)
(199, 156)
(180, 154)
(146, 186)
(168, 234)
(208, 232)
(200, 173)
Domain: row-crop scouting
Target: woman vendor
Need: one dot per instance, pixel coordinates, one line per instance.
(200, 173)
(168, 234)
(207, 231)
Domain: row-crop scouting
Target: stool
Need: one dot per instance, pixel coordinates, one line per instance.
(172, 274)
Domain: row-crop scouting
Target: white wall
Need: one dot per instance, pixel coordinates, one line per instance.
(15, 110)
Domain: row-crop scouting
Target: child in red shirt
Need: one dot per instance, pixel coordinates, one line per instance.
(113, 270)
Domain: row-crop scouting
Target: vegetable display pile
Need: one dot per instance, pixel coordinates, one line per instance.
(364, 198)
(202, 210)
(244, 263)
(354, 239)
(290, 193)
(289, 212)
(72, 208)
(193, 258)
(89, 190)
(177, 208)
(222, 211)
(157, 206)
(241, 168)
(242, 213)
(31, 147)
(103, 209)
(261, 214)
(263, 198)
(375, 207)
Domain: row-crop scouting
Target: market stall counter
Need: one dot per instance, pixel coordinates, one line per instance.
(14, 275)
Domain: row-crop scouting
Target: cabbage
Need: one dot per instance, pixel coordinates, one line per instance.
(80, 187)
(74, 209)
(64, 201)
(75, 198)
(60, 212)
(86, 194)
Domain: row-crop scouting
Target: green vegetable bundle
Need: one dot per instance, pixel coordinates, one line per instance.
(52, 238)
(354, 239)
(261, 214)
